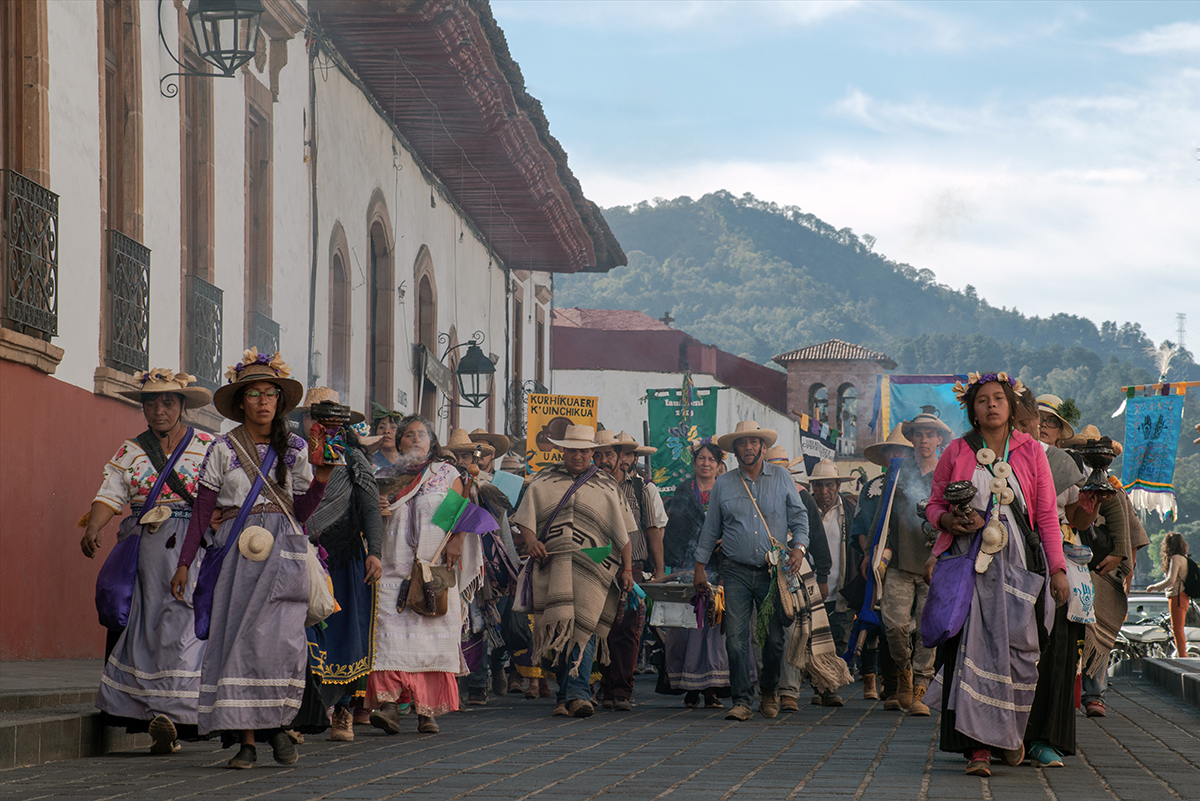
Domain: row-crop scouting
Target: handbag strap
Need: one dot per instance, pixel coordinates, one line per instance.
(1034, 558)
(166, 471)
(583, 478)
(760, 514)
(260, 482)
(244, 512)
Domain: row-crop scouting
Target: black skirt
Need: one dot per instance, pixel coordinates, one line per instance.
(1052, 719)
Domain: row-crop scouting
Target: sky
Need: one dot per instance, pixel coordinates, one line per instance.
(1047, 153)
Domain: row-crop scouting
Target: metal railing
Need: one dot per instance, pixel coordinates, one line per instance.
(204, 326)
(29, 296)
(129, 292)
(264, 333)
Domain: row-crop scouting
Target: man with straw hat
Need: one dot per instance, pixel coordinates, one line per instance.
(904, 587)
(875, 659)
(576, 527)
(468, 451)
(755, 511)
(153, 679)
(500, 445)
(616, 454)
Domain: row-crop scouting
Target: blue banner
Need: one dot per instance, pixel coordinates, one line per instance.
(1151, 438)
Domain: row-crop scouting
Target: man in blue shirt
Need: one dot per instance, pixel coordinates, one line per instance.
(747, 509)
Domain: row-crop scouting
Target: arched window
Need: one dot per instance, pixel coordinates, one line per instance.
(339, 321)
(847, 419)
(381, 286)
(426, 334)
(818, 403)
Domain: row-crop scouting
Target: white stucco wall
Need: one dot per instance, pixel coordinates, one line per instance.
(622, 402)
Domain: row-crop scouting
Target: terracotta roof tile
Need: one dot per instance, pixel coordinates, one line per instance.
(607, 320)
(835, 350)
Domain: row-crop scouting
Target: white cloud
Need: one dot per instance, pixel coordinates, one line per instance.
(1178, 37)
(706, 15)
(916, 115)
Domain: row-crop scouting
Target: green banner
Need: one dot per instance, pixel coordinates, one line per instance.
(672, 434)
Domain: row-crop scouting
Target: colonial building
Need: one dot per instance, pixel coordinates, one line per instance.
(371, 189)
(834, 383)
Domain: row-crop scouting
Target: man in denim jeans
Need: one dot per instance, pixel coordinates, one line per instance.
(747, 508)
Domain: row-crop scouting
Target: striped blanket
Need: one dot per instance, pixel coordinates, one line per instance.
(573, 597)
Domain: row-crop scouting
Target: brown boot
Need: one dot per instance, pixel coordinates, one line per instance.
(341, 728)
(387, 717)
(869, 691)
(514, 683)
(543, 688)
(904, 688)
(918, 706)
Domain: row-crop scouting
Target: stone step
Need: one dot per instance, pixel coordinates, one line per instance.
(41, 727)
(1180, 677)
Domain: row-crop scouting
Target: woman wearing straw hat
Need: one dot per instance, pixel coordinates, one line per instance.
(152, 674)
(253, 599)
(348, 525)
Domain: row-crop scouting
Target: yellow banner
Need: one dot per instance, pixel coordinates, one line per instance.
(548, 418)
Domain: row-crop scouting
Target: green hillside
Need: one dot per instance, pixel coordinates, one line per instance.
(758, 279)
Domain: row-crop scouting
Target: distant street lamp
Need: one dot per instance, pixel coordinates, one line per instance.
(475, 372)
(226, 36)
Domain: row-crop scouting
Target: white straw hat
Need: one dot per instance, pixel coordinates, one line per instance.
(255, 543)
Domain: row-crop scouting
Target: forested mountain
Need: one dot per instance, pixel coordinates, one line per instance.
(758, 279)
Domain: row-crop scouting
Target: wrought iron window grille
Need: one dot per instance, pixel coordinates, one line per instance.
(129, 293)
(204, 327)
(29, 296)
(264, 333)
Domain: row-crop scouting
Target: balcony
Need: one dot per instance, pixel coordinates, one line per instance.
(29, 296)
(204, 325)
(264, 333)
(129, 293)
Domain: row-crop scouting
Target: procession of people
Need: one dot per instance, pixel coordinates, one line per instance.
(306, 571)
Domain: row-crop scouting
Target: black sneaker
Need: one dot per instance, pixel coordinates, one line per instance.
(245, 758)
(477, 697)
(283, 748)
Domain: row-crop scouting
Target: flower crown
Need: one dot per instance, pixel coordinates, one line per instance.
(164, 375)
(251, 356)
(961, 389)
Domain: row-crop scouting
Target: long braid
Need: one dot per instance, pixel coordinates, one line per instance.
(279, 440)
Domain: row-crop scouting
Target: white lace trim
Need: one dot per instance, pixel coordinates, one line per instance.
(162, 674)
(149, 693)
(237, 703)
(1024, 596)
(984, 699)
(212, 688)
(298, 557)
(996, 676)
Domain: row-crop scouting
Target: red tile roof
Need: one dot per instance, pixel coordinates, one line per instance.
(607, 320)
(835, 350)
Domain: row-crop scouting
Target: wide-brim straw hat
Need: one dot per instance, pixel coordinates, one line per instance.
(160, 380)
(777, 454)
(608, 439)
(1051, 405)
(577, 438)
(895, 439)
(250, 370)
(326, 395)
(798, 470)
(500, 443)
(1089, 434)
(747, 428)
(641, 450)
(926, 421)
(255, 543)
(826, 470)
(511, 462)
(460, 442)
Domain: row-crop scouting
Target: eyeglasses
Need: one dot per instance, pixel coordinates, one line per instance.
(257, 393)
(1051, 422)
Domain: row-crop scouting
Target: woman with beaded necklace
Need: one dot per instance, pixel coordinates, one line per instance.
(988, 670)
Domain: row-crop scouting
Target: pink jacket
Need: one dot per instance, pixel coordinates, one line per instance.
(1032, 472)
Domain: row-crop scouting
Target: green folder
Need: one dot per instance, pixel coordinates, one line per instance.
(597, 555)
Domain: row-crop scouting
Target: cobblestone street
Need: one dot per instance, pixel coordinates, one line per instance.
(1147, 748)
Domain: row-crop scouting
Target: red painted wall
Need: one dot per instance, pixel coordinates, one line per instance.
(54, 441)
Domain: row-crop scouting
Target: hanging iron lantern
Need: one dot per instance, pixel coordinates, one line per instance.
(225, 31)
(476, 374)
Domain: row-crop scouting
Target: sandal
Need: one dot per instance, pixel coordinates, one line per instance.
(979, 762)
(1044, 755)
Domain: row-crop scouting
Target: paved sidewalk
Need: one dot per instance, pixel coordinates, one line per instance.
(1148, 748)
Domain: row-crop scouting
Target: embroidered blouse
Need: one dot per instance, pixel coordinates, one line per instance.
(222, 471)
(129, 475)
